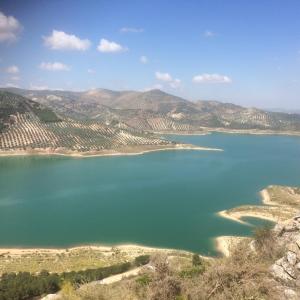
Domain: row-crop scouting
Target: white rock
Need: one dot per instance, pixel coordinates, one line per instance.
(287, 267)
(51, 297)
(291, 257)
(290, 294)
(279, 272)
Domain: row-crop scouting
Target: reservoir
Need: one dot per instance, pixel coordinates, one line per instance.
(165, 199)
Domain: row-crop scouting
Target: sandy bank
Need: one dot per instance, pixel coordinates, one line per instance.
(278, 204)
(209, 130)
(253, 131)
(225, 244)
(119, 152)
(132, 248)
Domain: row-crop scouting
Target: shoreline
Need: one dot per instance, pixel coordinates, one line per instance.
(97, 247)
(237, 216)
(251, 131)
(278, 204)
(125, 151)
(78, 258)
(269, 209)
(209, 130)
(224, 243)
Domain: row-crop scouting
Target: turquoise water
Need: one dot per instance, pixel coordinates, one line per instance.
(163, 199)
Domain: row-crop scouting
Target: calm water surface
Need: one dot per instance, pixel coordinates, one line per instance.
(163, 199)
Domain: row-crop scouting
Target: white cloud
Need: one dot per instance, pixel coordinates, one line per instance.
(167, 78)
(175, 84)
(131, 29)
(211, 78)
(144, 59)
(110, 47)
(60, 40)
(10, 27)
(15, 78)
(154, 87)
(38, 87)
(13, 85)
(209, 33)
(12, 70)
(55, 66)
(91, 71)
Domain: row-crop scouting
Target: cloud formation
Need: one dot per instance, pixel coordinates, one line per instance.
(167, 78)
(209, 33)
(60, 40)
(144, 59)
(131, 29)
(55, 66)
(154, 87)
(211, 78)
(12, 70)
(13, 85)
(38, 87)
(107, 46)
(10, 27)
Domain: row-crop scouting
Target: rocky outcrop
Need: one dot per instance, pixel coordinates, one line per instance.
(286, 270)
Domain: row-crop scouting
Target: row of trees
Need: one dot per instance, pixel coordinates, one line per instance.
(25, 286)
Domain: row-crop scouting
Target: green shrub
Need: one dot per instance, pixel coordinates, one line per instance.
(143, 280)
(192, 272)
(196, 260)
(142, 260)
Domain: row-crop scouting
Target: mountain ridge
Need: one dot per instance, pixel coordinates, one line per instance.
(158, 111)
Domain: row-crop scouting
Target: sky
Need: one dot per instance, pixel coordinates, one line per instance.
(244, 52)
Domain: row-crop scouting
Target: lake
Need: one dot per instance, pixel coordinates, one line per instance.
(162, 199)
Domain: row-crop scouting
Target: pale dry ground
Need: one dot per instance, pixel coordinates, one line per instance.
(122, 151)
(225, 244)
(279, 203)
(251, 131)
(74, 259)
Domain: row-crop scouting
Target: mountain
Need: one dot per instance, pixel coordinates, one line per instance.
(158, 111)
(26, 124)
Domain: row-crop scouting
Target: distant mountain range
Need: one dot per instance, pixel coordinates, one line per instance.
(157, 111)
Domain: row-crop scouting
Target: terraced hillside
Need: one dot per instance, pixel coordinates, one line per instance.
(160, 112)
(27, 125)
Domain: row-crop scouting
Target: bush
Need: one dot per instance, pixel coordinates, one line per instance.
(192, 272)
(142, 260)
(196, 260)
(23, 286)
(265, 243)
(143, 280)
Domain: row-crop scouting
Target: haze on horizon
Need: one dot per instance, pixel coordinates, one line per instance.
(247, 53)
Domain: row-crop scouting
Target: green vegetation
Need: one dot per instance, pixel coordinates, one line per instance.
(143, 280)
(45, 115)
(31, 126)
(25, 285)
(159, 111)
(142, 260)
(197, 260)
(244, 275)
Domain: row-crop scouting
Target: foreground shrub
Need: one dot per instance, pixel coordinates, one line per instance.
(142, 260)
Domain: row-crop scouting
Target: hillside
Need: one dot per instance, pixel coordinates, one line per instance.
(28, 125)
(158, 111)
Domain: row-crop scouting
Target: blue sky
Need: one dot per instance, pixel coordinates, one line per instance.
(245, 52)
